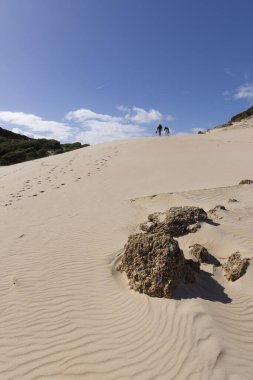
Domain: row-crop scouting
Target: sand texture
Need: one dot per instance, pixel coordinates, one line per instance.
(66, 313)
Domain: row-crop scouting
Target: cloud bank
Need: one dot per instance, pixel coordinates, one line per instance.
(36, 125)
(86, 125)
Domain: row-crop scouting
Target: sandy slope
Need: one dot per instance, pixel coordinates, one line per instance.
(66, 314)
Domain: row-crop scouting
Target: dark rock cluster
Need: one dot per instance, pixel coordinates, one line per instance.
(178, 221)
(153, 260)
(246, 182)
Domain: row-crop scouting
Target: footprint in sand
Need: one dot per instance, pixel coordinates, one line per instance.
(14, 281)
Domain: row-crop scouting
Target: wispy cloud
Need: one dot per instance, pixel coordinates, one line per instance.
(244, 92)
(196, 130)
(124, 109)
(103, 85)
(85, 114)
(227, 94)
(229, 72)
(85, 125)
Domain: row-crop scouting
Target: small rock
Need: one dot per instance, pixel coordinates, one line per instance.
(214, 212)
(235, 267)
(246, 182)
(232, 200)
(200, 252)
(202, 255)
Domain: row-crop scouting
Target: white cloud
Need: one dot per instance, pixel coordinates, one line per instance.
(36, 124)
(100, 131)
(95, 127)
(21, 132)
(17, 130)
(85, 125)
(196, 130)
(123, 109)
(141, 116)
(85, 114)
(244, 92)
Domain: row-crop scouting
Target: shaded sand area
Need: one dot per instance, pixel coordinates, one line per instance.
(67, 314)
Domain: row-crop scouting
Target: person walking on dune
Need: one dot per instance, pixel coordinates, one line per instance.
(159, 129)
(166, 131)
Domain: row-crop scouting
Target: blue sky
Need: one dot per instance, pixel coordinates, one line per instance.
(96, 70)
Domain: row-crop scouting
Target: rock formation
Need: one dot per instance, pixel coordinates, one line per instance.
(154, 264)
(177, 221)
(235, 267)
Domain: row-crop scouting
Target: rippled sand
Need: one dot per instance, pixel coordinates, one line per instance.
(66, 313)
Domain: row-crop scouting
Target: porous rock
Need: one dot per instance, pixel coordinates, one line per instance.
(177, 221)
(202, 255)
(200, 252)
(214, 212)
(154, 264)
(235, 267)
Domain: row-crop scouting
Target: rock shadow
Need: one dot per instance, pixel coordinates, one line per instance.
(212, 223)
(205, 287)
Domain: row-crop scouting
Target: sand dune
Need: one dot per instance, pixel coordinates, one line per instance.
(67, 314)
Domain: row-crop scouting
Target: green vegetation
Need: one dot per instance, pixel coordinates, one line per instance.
(242, 115)
(15, 148)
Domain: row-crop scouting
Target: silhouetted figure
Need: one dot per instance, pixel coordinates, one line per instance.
(159, 129)
(167, 131)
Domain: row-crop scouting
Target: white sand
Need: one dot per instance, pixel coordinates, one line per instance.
(66, 314)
